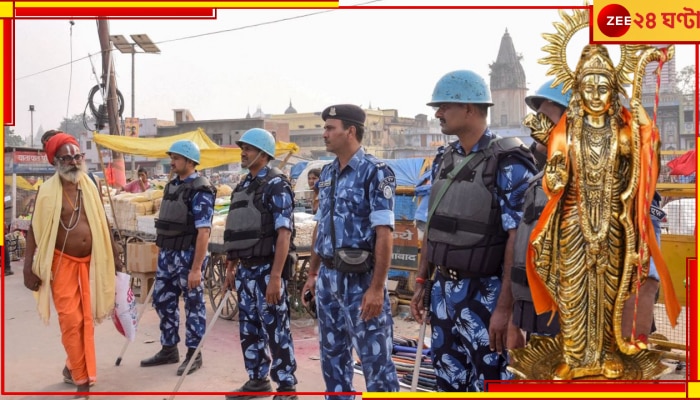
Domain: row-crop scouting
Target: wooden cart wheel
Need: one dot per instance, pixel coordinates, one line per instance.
(214, 280)
(296, 283)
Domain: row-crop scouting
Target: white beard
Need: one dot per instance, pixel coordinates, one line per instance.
(70, 173)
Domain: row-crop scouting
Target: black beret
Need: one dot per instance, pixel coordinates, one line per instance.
(345, 112)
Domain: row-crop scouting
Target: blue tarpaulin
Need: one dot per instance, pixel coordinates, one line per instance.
(408, 175)
(407, 170)
(422, 190)
(296, 169)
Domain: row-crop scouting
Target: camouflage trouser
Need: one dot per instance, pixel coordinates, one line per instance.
(460, 315)
(171, 281)
(264, 325)
(338, 298)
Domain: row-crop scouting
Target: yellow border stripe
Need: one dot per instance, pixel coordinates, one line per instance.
(693, 390)
(192, 4)
(6, 9)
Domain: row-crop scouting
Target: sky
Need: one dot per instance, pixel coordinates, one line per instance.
(245, 59)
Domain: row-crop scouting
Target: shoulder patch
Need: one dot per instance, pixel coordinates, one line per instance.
(385, 187)
(324, 184)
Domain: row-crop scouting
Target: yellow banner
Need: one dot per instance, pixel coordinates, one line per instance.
(645, 21)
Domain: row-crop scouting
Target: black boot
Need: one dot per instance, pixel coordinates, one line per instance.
(84, 388)
(253, 385)
(166, 355)
(286, 389)
(196, 364)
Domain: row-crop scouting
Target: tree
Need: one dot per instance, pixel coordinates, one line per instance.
(37, 136)
(76, 124)
(685, 80)
(12, 139)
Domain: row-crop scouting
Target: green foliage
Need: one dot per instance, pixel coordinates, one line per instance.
(12, 139)
(75, 125)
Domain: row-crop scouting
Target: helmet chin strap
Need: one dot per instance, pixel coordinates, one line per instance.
(255, 159)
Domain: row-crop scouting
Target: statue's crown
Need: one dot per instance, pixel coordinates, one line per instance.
(595, 60)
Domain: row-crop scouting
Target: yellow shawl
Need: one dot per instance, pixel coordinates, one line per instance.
(45, 222)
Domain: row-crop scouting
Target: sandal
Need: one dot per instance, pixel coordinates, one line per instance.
(67, 378)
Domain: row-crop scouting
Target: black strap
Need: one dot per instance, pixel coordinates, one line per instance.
(518, 275)
(333, 177)
(452, 225)
(245, 235)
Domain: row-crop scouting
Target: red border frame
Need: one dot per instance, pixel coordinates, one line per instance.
(210, 13)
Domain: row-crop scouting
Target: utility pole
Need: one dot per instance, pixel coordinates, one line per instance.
(118, 167)
(124, 46)
(31, 113)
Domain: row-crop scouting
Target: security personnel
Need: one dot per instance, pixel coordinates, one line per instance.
(355, 215)
(258, 236)
(478, 182)
(551, 103)
(183, 227)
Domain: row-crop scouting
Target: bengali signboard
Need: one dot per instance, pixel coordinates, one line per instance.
(31, 162)
(405, 251)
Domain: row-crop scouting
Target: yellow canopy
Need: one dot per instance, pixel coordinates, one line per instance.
(23, 183)
(211, 154)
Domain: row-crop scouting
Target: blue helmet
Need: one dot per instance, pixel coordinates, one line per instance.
(261, 139)
(185, 148)
(547, 92)
(461, 87)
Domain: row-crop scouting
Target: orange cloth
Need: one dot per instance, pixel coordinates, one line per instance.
(56, 142)
(541, 297)
(70, 289)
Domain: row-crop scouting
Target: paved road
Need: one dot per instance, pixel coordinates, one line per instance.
(34, 357)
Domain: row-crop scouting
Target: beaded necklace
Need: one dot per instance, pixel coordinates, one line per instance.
(76, 210)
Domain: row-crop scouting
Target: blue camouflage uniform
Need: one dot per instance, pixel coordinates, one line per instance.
(657, 215)
(461, 309)
(364, 199)
(264, 325)
(171, 280)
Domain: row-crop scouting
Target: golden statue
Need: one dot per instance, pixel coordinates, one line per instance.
(591, 247)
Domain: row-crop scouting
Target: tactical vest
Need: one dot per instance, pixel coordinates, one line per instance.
(465, 231)
(250, 227)
(175, 223)
(535, 200)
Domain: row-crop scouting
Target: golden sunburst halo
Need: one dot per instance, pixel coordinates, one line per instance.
(559, 41)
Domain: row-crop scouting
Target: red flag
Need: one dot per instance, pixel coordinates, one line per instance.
(685, 164)
(109, 175)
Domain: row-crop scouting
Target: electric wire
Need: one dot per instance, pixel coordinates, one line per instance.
(70, 75)
(205, 34)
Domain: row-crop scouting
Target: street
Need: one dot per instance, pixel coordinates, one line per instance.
(34, 357)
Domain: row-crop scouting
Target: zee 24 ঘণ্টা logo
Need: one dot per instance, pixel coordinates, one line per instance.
(614, 20)
(667, 22)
